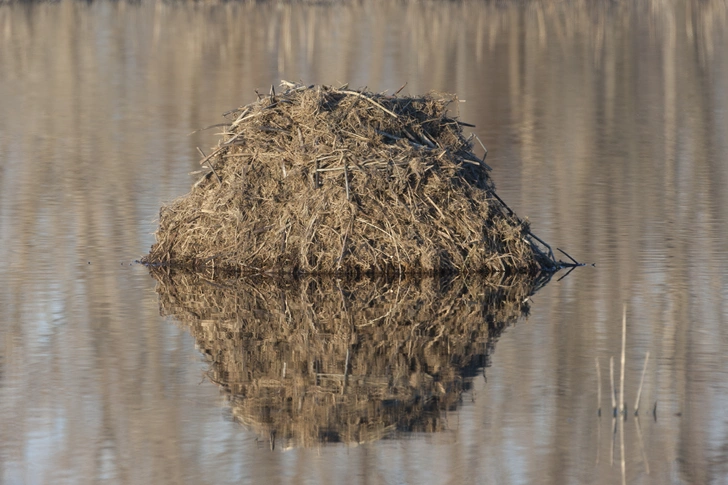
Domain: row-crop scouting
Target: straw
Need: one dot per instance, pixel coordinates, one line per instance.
(297, 171)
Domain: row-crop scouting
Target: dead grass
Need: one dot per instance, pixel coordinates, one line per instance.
(321, 180)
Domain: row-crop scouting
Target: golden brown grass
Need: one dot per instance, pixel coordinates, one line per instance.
(321, 180)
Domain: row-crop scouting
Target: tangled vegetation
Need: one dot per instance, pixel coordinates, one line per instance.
(323, 180)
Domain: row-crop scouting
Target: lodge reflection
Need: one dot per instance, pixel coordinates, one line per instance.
(323, 360)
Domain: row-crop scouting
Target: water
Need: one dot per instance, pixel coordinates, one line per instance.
(606, 124)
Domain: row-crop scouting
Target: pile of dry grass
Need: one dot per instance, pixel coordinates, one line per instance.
(321, 180)
(313, 360)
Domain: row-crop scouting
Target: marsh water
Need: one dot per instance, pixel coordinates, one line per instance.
(606, 125)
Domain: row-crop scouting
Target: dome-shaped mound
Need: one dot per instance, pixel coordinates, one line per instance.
(324, 180)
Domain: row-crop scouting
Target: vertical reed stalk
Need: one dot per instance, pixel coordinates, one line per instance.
(599, 387)
(611, 380)
(624, 344)
(623, 464)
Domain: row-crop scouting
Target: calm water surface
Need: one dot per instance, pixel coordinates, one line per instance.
(607, 126)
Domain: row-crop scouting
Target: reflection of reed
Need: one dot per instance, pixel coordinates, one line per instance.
(321, 360)
(619, 410)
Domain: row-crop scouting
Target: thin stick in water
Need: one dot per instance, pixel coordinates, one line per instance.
(622, 458)
(599, 388)
(569, 256)
(599, 441)
(614, 436)
(611, 379)
(599, 405)
(642, 381)
(621, 376)
(641, 444)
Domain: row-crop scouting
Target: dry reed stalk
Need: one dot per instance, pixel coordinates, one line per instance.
(599, 387)
(622, 409)
(611, 379)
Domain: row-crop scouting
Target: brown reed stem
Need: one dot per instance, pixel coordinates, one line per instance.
(599, 387)
(611, 380)
(624, 344)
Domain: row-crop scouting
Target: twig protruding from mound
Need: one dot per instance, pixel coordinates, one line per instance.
(321, 180)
